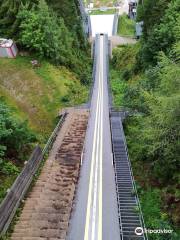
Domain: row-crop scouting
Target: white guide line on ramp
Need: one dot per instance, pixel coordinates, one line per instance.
(95, 212)
(93, 225)
(102, 24)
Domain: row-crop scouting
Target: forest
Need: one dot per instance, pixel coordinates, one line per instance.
(145, 80)
(41, 27)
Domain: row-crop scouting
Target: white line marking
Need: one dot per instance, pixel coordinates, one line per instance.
(86, 237)
(101, 149)
(94, 223)
(97, 164)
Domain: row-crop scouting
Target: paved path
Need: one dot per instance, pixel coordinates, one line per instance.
(95, 216)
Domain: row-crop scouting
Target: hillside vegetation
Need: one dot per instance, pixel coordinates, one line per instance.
(55, 38)
(31, 97)
(145, 80)
(44, 29)
(126, 26)
(37, 94)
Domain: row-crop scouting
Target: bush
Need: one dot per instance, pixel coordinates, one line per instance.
(154, 216)
(158, 131)
(8, 168)
(9, 22)
(43, 32)
(15, 136)
(163, 33)
(126, 26)
(71, 16)
(124, 59)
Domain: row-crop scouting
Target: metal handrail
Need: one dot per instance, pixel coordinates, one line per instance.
(134, 184)
(120, 220)
(114, 163)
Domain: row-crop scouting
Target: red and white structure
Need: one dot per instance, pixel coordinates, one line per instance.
(8, 48)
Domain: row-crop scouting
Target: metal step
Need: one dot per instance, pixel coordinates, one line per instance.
(129, 219)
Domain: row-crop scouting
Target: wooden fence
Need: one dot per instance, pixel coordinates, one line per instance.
(18, 190)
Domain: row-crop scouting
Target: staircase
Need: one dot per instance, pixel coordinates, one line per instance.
(48, 207)
(130, 216)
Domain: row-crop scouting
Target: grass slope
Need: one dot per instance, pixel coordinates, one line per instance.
(38, 94)
(99, 12)
(126, 26)
(117, 87)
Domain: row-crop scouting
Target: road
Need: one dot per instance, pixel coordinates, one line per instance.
(95, 215)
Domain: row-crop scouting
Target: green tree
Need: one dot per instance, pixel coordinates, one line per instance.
(43, 32)
(151, 12)
(69, 11)
(162, 33)
(15, 136)
(9, 10)
(156, 135)
(53, 31)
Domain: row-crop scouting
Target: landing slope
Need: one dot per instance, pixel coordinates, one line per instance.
(36, 94)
